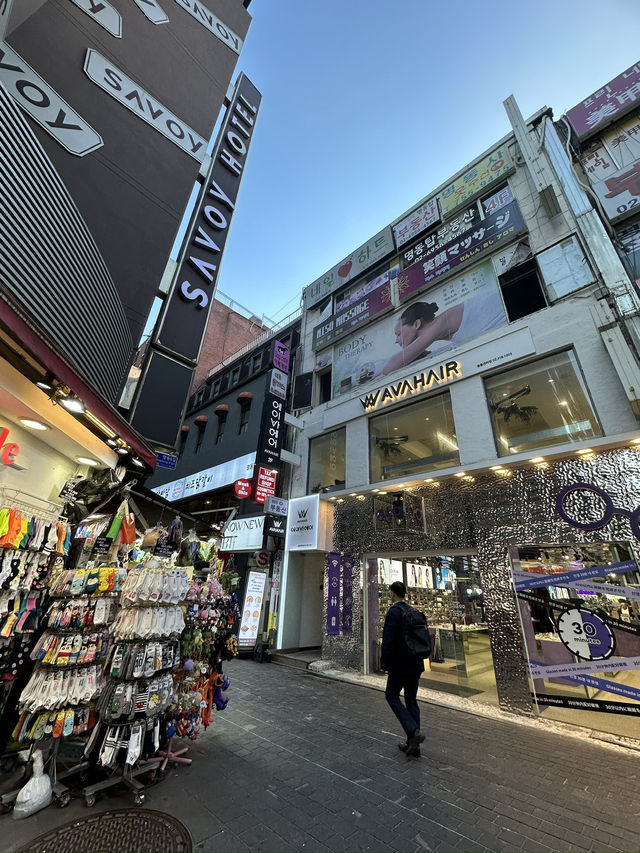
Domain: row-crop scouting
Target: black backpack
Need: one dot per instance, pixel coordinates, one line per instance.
(415, 632)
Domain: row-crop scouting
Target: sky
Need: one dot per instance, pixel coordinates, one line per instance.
(369, 105)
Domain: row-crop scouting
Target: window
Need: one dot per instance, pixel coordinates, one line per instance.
(222, 420)
(539, 404)
(245, 409)
(522, 291)
(326, 461)
(216, 388)
(414, 439)
(629, 238)
(201, 425)
(256, 362)
(324, 386)
(235, 375)
(564, 268)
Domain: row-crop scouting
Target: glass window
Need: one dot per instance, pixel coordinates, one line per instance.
(564, 268)
(216, 388)
(235, 375)
(326, 461)
(522, 291)
(245, 409)
(539, 404)
(222, 421)
(413, 439)
(256, 362)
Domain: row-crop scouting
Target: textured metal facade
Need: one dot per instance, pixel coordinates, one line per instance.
(50, 268)
(489, 515)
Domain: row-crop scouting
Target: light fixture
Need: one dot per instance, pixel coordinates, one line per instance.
(138, 462)
(122, 451)
(112, 442)
(339, 500)
(469, 478)
(429, 480)
(85, 460)
(496, 468)
(73, 405)
(382, 493)
(564, 402)
(353, 494)
(435, 484)
(537, 459)
(635, 441)
(332, 499)
(102, 426)
(31, 424)
(460, 474)
(376, 490)
(361, 497)
(584, 450)
(46, 386)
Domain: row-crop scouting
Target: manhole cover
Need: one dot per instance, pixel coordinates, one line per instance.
(123, 831)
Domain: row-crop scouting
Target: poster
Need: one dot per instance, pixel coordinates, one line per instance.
(419, 576)
(389, 571)
(463, 308)
(251, 609)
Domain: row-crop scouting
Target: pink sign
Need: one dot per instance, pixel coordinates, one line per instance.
(603, 106)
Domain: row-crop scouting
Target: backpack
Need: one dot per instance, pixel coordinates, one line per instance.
(415, 633)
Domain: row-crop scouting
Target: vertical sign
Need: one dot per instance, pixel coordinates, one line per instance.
(5, 14)
(271, 431)
(348, 562)
(333, 601)
(281, 356)
(251, 609)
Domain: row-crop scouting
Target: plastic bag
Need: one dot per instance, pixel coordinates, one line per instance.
(36, 794)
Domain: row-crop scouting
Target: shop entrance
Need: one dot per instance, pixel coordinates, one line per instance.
(448, 590)
(301, 602)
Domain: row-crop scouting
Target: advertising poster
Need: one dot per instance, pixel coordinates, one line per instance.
(494, 166)
(389, 571)
(419, 576)
(463, 308)
(251, 610)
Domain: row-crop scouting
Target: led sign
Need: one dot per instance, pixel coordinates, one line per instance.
(416, 384)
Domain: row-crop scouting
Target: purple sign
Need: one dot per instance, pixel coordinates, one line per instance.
(496, 228)
(281, 356)
(354, 315)
(348, 562)
(333, 598)
(617, 97)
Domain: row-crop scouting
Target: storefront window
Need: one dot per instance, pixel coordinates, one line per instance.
(414, 439)
(541, 404)
(326, 461)
(448, 590)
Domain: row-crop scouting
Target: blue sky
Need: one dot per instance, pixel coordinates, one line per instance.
(368, 105)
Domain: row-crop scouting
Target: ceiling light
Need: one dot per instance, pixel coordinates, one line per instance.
(332, 499)
(435, 484)
(362, 497)
(429, 480)
(537, 459)
(635, 441)
(339, 500)
(123, 451)
(32, 424)
(46, 386)
(72, 404)
(85, 460)
(460, 474)
(100, 424)
(138, 462)
(112, 442)
(376, 490)
(382, 493)
(353, 494)
(564, 403)
(496, 468)
(585, 450)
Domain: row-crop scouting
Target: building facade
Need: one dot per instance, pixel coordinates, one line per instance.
(469, 395)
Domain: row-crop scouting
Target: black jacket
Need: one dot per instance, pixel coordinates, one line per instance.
(394, 657)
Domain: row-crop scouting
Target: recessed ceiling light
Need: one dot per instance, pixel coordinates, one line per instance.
(32, 424)
(123, 451)
(138, 462)
(72, 404)
(112, 442)
(429, 480)
(46, 386)
(496, 468)
(635, 441)
(85, 460)
(460, 474)
(585, 450)
(537, 459)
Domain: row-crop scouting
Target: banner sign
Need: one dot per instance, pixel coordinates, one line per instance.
(251, 609)
(493, 167)
(505, 224)
(271, 431)
(281, 357)
(186, 313)
(348, 563)
(208, 479)
(243, 534)
(265, 484)
(602, 684)
(582, 704)
(167, 460)
(303, 523)
(421, 219)
(357, 262)
(358, 313)
(530, 580)
(278, 381)
(453, 228)
(538, 670)
(618, 96)
(393, 342)
(333, 595)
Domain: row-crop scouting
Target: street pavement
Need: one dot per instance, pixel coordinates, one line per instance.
(298, 762)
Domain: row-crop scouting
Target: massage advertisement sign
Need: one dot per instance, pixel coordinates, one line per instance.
(464, 308)
(581, 619)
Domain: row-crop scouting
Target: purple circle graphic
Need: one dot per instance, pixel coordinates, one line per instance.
(586, 635)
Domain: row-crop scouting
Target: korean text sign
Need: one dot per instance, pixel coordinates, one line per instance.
(604, 105)
(494, 166)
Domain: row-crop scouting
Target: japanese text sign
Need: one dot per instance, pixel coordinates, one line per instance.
(494, 166)
(456, 227)
(424, 217)
(603, 106)
(356, 314)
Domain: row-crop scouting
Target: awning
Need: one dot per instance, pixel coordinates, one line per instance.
(201, 420)
(245, 395)
(221, 408)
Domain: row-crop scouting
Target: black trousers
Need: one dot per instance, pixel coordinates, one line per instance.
(408, 716)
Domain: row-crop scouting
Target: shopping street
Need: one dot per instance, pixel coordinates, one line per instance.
(302, 762)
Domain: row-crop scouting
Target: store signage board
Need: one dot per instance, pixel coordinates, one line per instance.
(356, 314)
(115, 82)
(465, 220)
(102, 13)
(601, 108)
(503, 225)
(399, 513)
(491, 168)
(186, 314)
(45, 106)
(366, 256)
(243, 534)
(276, 525)
(276, 506)
(509, 347)
(419, 220)
(210, 478)
(271, 431)
(619, 193)
(5, 14)
(265, 484)
(308, 524)
(251, 609)
(167, 460)
(278, 382)
(212, 23)
(333, 594)
(281, 359)
(152, 10)
(242, 488)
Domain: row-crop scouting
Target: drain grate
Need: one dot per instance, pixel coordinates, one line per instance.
(122, 831)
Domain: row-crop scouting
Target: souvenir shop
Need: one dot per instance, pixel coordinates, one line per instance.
(114, 631)
(530, 582)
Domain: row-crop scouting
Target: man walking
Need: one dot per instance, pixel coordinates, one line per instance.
(403, 672)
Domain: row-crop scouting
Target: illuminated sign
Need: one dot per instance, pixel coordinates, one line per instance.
(8, 451)
(416, 384)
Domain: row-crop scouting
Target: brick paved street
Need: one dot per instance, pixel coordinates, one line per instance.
(299, 762)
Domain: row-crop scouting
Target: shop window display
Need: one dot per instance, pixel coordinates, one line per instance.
(448, 590)
(582, 636)
(326, 461)
(540, 404)
(416, 438)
